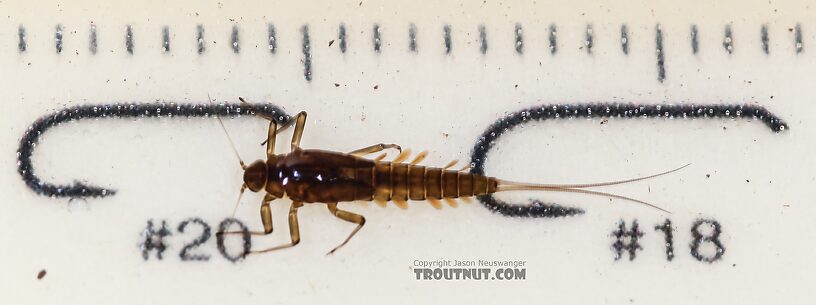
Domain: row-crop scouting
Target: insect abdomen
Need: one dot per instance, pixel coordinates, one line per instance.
(403, 182)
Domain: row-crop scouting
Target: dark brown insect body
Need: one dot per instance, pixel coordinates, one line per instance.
(320, 176)
(310, 175)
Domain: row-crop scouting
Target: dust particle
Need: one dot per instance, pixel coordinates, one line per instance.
(336, 85)
(41, 274)
(331, 42)
(376, 87)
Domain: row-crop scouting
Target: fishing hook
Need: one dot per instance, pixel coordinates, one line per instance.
(555, 111)
(78, 189)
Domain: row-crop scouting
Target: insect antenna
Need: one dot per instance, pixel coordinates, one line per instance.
(238, 202)
(255, 112)
(234, 150)
(232, 144)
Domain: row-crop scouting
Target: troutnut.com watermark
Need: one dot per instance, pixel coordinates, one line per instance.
(480, 270)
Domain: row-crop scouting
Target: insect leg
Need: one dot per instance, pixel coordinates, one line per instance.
(294, 230)
(300, 121)
(374, 148)
(270, 140)
(347, 216)
(266, 214)
(266, 218)
(258, 113)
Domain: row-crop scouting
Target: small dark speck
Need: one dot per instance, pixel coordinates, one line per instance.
(516, 86)
(604, 121)
(724, 128)
(746, 180)
(336, 85)
(733, 265)
(708, 175)
(331, 42)
(790, 29)
(41, 274)
(376, 87)
(445, 134)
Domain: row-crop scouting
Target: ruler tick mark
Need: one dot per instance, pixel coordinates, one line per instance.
(377, 39)
(200, 39)
(661, 60)
(272, 38)
(58, 38)
(763, 32)
(447, 33)
(695, 45)
(341, 36)
(624, 32)
(21, 38)
(234, 38)
(129, 39)
(307, 53)
(92, 41)
(482, 39)
(797, 38)
(728, 41)
(412, 38)
(166, 39)
(519, 39)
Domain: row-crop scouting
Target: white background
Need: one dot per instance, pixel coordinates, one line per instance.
(176, 169)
